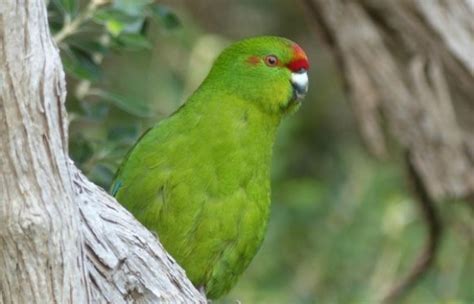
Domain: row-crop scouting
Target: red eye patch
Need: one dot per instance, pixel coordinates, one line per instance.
(253, 60)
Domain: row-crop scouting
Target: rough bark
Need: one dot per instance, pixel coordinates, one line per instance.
(408, 67)
(125, 263)
(62, 239)
(409, 64)
(41, 253)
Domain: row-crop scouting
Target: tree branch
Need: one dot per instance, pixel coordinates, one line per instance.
(62, 238)
(41, 252)
(406, 70)
(428, 254)
(124, 259)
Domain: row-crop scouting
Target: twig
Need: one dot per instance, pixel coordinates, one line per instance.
(428, 254)
(425, 202)
(70, 27)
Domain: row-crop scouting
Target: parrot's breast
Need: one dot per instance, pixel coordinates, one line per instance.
(201, 180)
(227, 197)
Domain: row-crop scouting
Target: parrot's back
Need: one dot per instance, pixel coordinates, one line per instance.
(200, 179)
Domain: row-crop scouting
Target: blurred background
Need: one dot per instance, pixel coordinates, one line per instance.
(343, 227)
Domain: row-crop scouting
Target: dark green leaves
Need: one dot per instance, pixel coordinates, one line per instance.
(133, 7)
(128, 105)
(88, 34)
(124, 133)
(131, 41)
(129, 16)
(68, 7)
(80, 65)
(165, 16)
(116, 21)
(81, 149)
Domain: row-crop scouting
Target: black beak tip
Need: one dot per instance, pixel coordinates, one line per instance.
(299, 91)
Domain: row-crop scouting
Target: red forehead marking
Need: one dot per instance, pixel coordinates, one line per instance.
(299, 61)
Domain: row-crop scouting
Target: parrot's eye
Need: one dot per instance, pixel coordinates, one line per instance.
(271, 60)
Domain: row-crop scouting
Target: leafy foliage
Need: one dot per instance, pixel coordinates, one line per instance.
(88, 33)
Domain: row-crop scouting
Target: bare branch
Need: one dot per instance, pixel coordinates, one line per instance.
(124, 259)
(403, 70)
(428, 254)
(408, 68)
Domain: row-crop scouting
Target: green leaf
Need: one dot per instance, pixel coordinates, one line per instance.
(80, 149)
(124, 133)
(132, 7)
(128, 105)
(117, 21)
(104, 15)
(95, 110)
(165, 16)
(133, 41)
(88, 46)
(80, 65)
(69, 7)
(114, 27)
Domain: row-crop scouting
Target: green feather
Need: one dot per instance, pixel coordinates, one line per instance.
(201, 178)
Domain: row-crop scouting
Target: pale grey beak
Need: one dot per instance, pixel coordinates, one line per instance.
(299, 81)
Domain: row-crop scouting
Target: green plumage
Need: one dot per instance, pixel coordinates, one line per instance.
(200, 178)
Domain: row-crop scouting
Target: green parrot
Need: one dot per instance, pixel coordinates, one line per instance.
(200, 179)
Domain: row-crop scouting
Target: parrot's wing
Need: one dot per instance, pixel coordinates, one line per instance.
(115, 186)
(141, 177)
(153, 133)
(116, 181)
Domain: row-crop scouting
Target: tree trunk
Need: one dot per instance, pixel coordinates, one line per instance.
(408, 66)
(62, 239)
(409, 63)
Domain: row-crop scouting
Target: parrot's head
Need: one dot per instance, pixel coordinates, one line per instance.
(268, 71)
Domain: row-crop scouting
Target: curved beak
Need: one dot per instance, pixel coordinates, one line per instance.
(299, 82)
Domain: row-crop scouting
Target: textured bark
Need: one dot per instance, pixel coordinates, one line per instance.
(62, 239)
(125, 263)
(408, 67)
(41, 251)
(409, 64)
